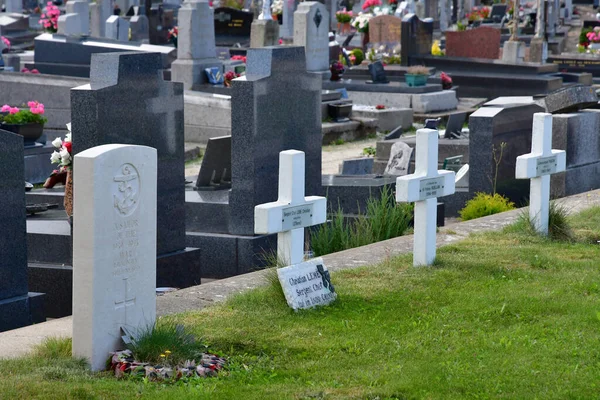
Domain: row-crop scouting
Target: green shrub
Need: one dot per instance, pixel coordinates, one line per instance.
(383, 219)
(485, 204)
(582, 36)
(360, 56)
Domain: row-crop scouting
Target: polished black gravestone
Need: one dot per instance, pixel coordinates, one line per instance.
(377, 72)
(18, 307)
(232, 26)
(277, 107)
(416, 37)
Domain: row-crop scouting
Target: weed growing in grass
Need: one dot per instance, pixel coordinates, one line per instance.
(559, 227)
(54, 347)
(383, 219)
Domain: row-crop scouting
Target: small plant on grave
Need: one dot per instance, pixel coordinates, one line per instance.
(30, 114)
(173, 35)
(461, 27)
(49, 19)
(343, 16)
(369, 151)
(359, 56)
(163, 352)
(559, 228)
(484, 204)
(417, 70)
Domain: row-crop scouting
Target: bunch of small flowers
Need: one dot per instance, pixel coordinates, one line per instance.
(27, 71)
(239, 58)
(17, 116)
(343, 16)
(173, 33)
(49, 19)
(6, 42)
(228, 77)
(277, 7)
(361, 22)
(594, 36)
(370, 4)
(62, 154)
(337, 68)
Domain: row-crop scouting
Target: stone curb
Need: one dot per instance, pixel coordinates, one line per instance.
(18, 342)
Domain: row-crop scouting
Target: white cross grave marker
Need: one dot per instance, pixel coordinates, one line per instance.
(305, 284)
(538, 166)
(424, 187)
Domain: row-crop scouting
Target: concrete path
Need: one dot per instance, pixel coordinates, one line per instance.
(20, 341)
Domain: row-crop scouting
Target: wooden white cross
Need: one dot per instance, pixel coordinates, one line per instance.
(424, 187)
(292, 212)
(538, 166)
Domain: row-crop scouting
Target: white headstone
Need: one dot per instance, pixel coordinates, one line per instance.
(311, 30)
(399, 160)
(305, 284)
(117, 28)
(100, 11)
(114, 247)
(424, 187)
(77, 19)
(538, 166)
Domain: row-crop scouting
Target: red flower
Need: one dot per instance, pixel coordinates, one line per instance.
(68, 146)
(380, 107)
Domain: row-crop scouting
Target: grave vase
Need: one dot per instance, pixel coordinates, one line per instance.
(68, 199)
(344, 28)
(30, 132)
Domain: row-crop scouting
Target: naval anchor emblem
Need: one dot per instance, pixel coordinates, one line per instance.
(318, 17)
(127, 182)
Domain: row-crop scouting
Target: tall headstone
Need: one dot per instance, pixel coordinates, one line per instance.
(117, 28)
(127, 101)
(100, 11)
(17, 307)
(278, 123)
(538, 48)
(287, 26)
(140, 28)
(195, 44)
(416, 37)
(264, 33)
(114, 247)
(431, 8)
(77, 19)
(311, 30)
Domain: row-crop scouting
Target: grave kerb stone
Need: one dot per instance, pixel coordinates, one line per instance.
(538, 165)
(424, 187)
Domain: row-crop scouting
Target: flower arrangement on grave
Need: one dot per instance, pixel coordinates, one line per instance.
(478, 14)
(583, 39)
(6, 44)
(343, 16)
(27, 121)
(594, 35)
(228, 77)
(173, 35)
(239, 58)
(63, 157)
(446, 81)
(384, 54)
(28, 71)
(337, 70)
(436, 50)
(277, 8)
(361, 22)
(417, 75)
(371, 4)
(49, 18)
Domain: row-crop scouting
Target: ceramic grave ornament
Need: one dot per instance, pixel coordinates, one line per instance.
(424, 187)
(538, 166)
(305, 283)
(114, 247)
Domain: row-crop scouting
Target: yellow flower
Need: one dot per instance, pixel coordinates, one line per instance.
(435, 48)
(162, 355)
(167, 352)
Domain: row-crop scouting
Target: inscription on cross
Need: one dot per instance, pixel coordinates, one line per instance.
(424, 187)
(538, 166)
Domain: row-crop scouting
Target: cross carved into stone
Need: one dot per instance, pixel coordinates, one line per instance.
(128, 299)
(165, 104)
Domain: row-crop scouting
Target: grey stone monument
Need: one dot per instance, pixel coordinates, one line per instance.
(14, 6)
(287, 27)
(196, 44)
(140, 28)
(117, 28)
(17, 307)
(77, 19)
(100, 11)
(311, 30)
(128, 102)
(264, 32)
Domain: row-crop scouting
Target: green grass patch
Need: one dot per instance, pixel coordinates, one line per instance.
(502, 315)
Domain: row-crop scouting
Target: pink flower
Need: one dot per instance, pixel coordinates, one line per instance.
(13, 110)
(5, 108)
(43, 16)
(35, 71)
(37, 110)
(32, 104)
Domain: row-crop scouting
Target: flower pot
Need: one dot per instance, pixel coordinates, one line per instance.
(344, 28)
(339, 112)
(416, 80)
(30, 132)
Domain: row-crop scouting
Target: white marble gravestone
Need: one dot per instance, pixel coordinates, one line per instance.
(114, 247)
(305, 284)
(399, 161)
(538, 166)
(117, 28)
(311, 30)
(424, 187)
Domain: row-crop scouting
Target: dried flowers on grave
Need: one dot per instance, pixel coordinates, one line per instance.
(49, 19)
(418, 70)
(124, 364)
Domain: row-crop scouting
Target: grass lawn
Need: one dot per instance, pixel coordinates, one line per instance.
(501, 315)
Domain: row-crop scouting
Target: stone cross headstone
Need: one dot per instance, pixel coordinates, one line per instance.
(117, 28)
(16, 305)
(304, 283)
(311, 30)
(77, 19)
(196, 49)
(114, 247)
(424, 187)
(100, 11)
(260, 97)
(385, 29)
(127, 101)
(399, 161)
(538, 165)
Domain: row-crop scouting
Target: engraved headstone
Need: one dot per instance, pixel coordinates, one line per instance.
(377, 72)
(416, 37)
(232, 26)
(424, 187)
(311, 30)
(399, 161)
(114, 247)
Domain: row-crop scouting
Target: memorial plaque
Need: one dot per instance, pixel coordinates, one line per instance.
(297, 217)
(307, 284)
(429, 188)
(546, 165)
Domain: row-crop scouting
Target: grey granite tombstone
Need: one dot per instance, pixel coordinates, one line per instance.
(265, 122)
(128, 102)
(287, 27)
(357, 166)
(311, 30)
(100, 11)
(399, 162)
(117, 28)
(215, 171)
(140, 28)
(196, 44)
(17, 307)
(77, 19)
(14, 6)
(568, 99)
(454, 125)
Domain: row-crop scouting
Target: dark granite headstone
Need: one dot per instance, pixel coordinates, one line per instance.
(265, 123)
(498, 12)
(416, 37)
(357, 166)
(15, 303)
(454, 125)
(128, 102)
(377, 72)
(232, 26)
(395, 134)
(160, 21)
(569, 99)
(215, 171)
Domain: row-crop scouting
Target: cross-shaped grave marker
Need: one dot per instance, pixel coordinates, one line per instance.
(538, 166)
(125, 299)
(424, 187)
(165, 103)
(305, 284)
